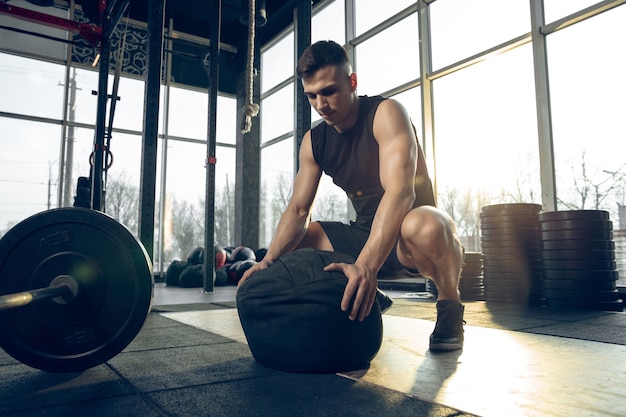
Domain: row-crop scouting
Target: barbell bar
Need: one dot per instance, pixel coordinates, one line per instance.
(63, 289)
(75, 289)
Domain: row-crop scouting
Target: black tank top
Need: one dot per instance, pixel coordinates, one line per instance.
(351, 160)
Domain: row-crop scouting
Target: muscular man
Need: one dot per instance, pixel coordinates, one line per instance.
(369, 147)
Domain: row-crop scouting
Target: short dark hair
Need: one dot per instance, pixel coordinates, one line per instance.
(322, 54)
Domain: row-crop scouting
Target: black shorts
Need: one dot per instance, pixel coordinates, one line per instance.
(350, 239)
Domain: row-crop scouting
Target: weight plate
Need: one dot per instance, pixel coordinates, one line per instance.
(582, 295)
(509, 251)
(598, 244)
(609, 275)
(508, 223)
(512, 208)
(577, 235)
(592, 305)
(577, 225)
(578, 264)
(511, 262)
(471, 272)
(114, 274)
(478, 286)
(472, 279)
(574, 215)
(596, 255)
(489, 242)
(529, 217)
(579, 285)
(511, 234)
(527, 275)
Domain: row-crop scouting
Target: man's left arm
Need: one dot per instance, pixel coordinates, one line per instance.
(397, 160)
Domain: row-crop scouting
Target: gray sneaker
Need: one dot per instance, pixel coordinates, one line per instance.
(448, 333)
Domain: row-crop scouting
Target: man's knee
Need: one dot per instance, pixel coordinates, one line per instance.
(427, 226)
(428, 236)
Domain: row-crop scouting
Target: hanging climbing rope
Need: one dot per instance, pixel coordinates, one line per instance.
(251, 109)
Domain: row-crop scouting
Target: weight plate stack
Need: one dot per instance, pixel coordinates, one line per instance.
(471, 285)
(578, 260)
(510, 253)
(432, 288)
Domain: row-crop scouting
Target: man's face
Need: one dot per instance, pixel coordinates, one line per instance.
(330, 92)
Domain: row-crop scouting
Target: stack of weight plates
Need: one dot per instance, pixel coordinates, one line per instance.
(578, 260)
(510, 247)
(471, 285)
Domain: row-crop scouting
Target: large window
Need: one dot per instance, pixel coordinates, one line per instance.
(486, 137)
(369, 13)
(29, 169)
(463, 28)
(389, 59)
(31, 87)
(588, 96)
(34, 144)
(277, 171)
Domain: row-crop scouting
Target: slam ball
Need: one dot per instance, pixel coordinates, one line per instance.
(291, 316)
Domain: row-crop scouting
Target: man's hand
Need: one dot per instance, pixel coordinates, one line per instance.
(256, 267)
(361, 286)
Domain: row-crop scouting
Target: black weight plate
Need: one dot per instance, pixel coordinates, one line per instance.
(598, 244)
(577, 225)
(511, 208)
(582, 295)
(473, 266)
(472, 286)
(516, 253)
(510, 252)
(574, 215)
(512, 220)
(518, 264)
(471, 279)
(473, 296)
(512, 274)
(579, 285)
(608, 275)
(472, 272)
(116, 286)
(507, 224)
(489, 242)
(577, 235)
(510, 234)
(596, 255)
(520, 284)
(578, 264)
(591, 305)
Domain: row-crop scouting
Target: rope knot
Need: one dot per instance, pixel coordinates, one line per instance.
(250, 111)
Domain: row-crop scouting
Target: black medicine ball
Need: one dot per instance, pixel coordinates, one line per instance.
(291, 316)
(242, 253)
(192, 276)
(172, 274)
(196, 256)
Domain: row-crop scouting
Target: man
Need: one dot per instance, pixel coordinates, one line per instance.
(368, 145)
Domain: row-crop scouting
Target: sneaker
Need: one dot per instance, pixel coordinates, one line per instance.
(384, 301)
(448, 333)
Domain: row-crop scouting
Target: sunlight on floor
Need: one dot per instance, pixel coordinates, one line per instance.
(498, 373)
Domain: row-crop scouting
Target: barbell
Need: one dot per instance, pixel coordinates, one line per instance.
(76, 287)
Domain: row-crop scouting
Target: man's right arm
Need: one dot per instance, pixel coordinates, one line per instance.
(294, 221)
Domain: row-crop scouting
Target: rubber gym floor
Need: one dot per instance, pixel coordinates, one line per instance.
(191, 359)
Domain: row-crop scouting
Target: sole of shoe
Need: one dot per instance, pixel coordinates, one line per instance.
(445, 347)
